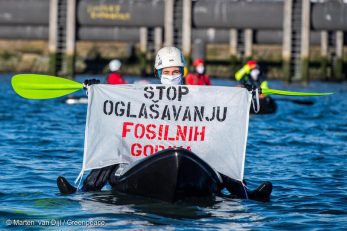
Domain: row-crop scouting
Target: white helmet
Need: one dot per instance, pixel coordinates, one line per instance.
(115, 65)
(169, 57)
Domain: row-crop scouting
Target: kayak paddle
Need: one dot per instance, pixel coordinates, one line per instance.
(33, 86)
(268, 91)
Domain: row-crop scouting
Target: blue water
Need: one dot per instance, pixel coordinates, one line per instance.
(301, 149)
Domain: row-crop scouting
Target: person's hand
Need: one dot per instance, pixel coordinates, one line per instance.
(89, 82)
(250, 84)
(249, 87)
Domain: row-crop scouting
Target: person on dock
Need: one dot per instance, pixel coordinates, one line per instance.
(115, 77)
(198, 77)
(169, 67)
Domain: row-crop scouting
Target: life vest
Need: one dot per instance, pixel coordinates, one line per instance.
(115, 78)
(197, 79)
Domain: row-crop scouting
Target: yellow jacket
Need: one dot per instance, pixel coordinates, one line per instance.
(246, 69)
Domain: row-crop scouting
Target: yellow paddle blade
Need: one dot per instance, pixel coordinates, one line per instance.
(268, 91)
(33, 86)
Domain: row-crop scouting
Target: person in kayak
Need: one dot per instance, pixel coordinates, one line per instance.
(115, 77)
(198, 77)
(250, 76)
(169, 67)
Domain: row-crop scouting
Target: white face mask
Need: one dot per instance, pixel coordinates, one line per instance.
(171, 79)
(200, 69)
(254, 74)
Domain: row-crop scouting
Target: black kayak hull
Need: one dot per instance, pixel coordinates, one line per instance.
(169, 175)
(267, 106)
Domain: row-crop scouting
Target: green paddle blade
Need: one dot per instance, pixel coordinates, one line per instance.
(268, 91)
(33, 86)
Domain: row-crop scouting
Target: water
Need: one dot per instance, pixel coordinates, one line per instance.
(301, 149)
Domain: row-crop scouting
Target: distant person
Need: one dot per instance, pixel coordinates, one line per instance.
(115, 77)
(250, 76)
(198, 77)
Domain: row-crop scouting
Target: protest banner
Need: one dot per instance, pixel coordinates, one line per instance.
(126, 123)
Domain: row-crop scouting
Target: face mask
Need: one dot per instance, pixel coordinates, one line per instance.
(254, 74)
(171, 79)
(200, 69)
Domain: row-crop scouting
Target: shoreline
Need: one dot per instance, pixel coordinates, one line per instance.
(93, 57)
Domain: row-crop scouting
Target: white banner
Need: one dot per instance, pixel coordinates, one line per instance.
(126, 123)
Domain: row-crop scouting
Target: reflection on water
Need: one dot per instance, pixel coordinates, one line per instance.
(301, 149)
(183, 213)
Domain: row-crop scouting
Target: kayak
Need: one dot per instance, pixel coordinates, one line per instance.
(76, 100)
(169, 175)
(267, 106)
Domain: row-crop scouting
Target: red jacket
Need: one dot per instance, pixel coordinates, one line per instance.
(197, 79)
(115, 78)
